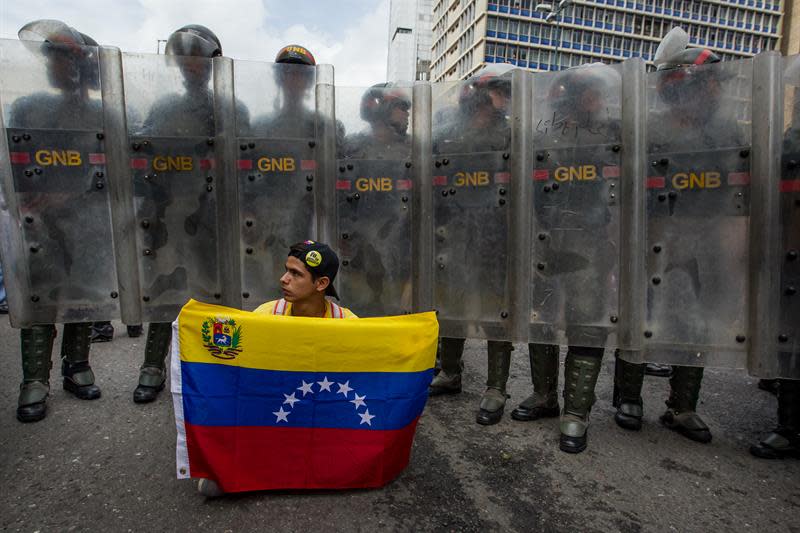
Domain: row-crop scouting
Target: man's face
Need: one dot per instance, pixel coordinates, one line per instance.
(398, 118)
(297, 283)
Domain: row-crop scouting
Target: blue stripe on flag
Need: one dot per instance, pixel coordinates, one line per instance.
(225, 395)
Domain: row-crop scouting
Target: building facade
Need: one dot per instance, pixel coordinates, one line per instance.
(410, 40)
(467, 34)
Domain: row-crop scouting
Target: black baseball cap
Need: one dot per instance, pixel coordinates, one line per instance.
(319, 259)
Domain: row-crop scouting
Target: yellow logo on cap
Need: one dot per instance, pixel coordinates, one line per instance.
(313, 258)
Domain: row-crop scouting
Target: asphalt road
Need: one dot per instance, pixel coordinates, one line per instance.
(109, 465)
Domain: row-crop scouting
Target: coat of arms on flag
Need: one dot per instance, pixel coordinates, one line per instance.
(311, 403)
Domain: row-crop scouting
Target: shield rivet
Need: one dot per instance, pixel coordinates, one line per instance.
(504, 314)
(145, 298)
(245, 295)
(114, 294)
(783, 338)
(740, 338)
(614, 319)
(34, 298)
(648, 334)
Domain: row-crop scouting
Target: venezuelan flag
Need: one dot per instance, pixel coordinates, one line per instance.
(275, 402)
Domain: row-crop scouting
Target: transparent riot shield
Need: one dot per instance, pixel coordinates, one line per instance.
(170, 110)
(57, 244)
(471, 211)
(698, 139)
(788, 334)
(277, 168)
(374, 199)
(575, 214)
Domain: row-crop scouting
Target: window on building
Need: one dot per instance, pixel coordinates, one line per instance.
(491, 24)
(513, 27)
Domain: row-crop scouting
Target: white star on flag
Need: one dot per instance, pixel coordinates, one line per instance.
(305, 388)
(344, 388)
(325, 384)
(366, 417)
(281, 415)
(290, 399)
(359, 401)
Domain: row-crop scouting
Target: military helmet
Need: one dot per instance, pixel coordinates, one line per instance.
(379, 100)
(569, 87)
(193, 40)
(673, 52)
(54, 32)
(475, 92)
(296, 54)
(679, 80)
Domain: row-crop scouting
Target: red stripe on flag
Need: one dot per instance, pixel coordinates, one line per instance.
(97, 159)
(739, 178)
(245, 164)
(343, 185)
(139, 163)
(247, 458)
(611, 172)
(790, 186)
(308, 164)
(404, 185)
(20, 158)
(656, 182)
(502, 177)
(440, 180)
(206, 164)
(541, 175)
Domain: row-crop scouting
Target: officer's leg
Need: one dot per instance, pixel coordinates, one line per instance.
(37, 347)
(580, 377)
(78, 375)
(684, 393)
(494, 399)
(784, 440)
(448, 380)
(153, 373)
(543, 403)
(628, 381)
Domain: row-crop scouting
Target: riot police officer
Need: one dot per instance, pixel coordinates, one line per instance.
(377, 221)
(293, 118)
(480, 124)
(692, 120)
(71, 74)
(385, 107)
(190, 113)
(576, 247)
(784, 440)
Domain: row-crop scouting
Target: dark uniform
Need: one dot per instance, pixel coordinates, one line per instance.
(69, 74)
(374, 209)
(688, 125)
(479, 125)
(575, 251)
(190, 114)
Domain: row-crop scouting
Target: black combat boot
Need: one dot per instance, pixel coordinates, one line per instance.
(684, 393)
(448, 380)
(784, 440)
(658, 370)
(153, 374)
(102, 332)
(135, 331)
(543, 403)
(78, 375)
(580, 377)
(37, 346)
(769, 385)
(628, 381)
(494, 398)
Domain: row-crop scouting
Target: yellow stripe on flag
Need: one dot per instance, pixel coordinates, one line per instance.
(223, 335)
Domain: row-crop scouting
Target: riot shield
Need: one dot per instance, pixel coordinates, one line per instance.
(575, 215)
(276, 171)
(170, 110)
(471, 213)
(57, 245)
(698, 137)
(788, 334)
(374, 200)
